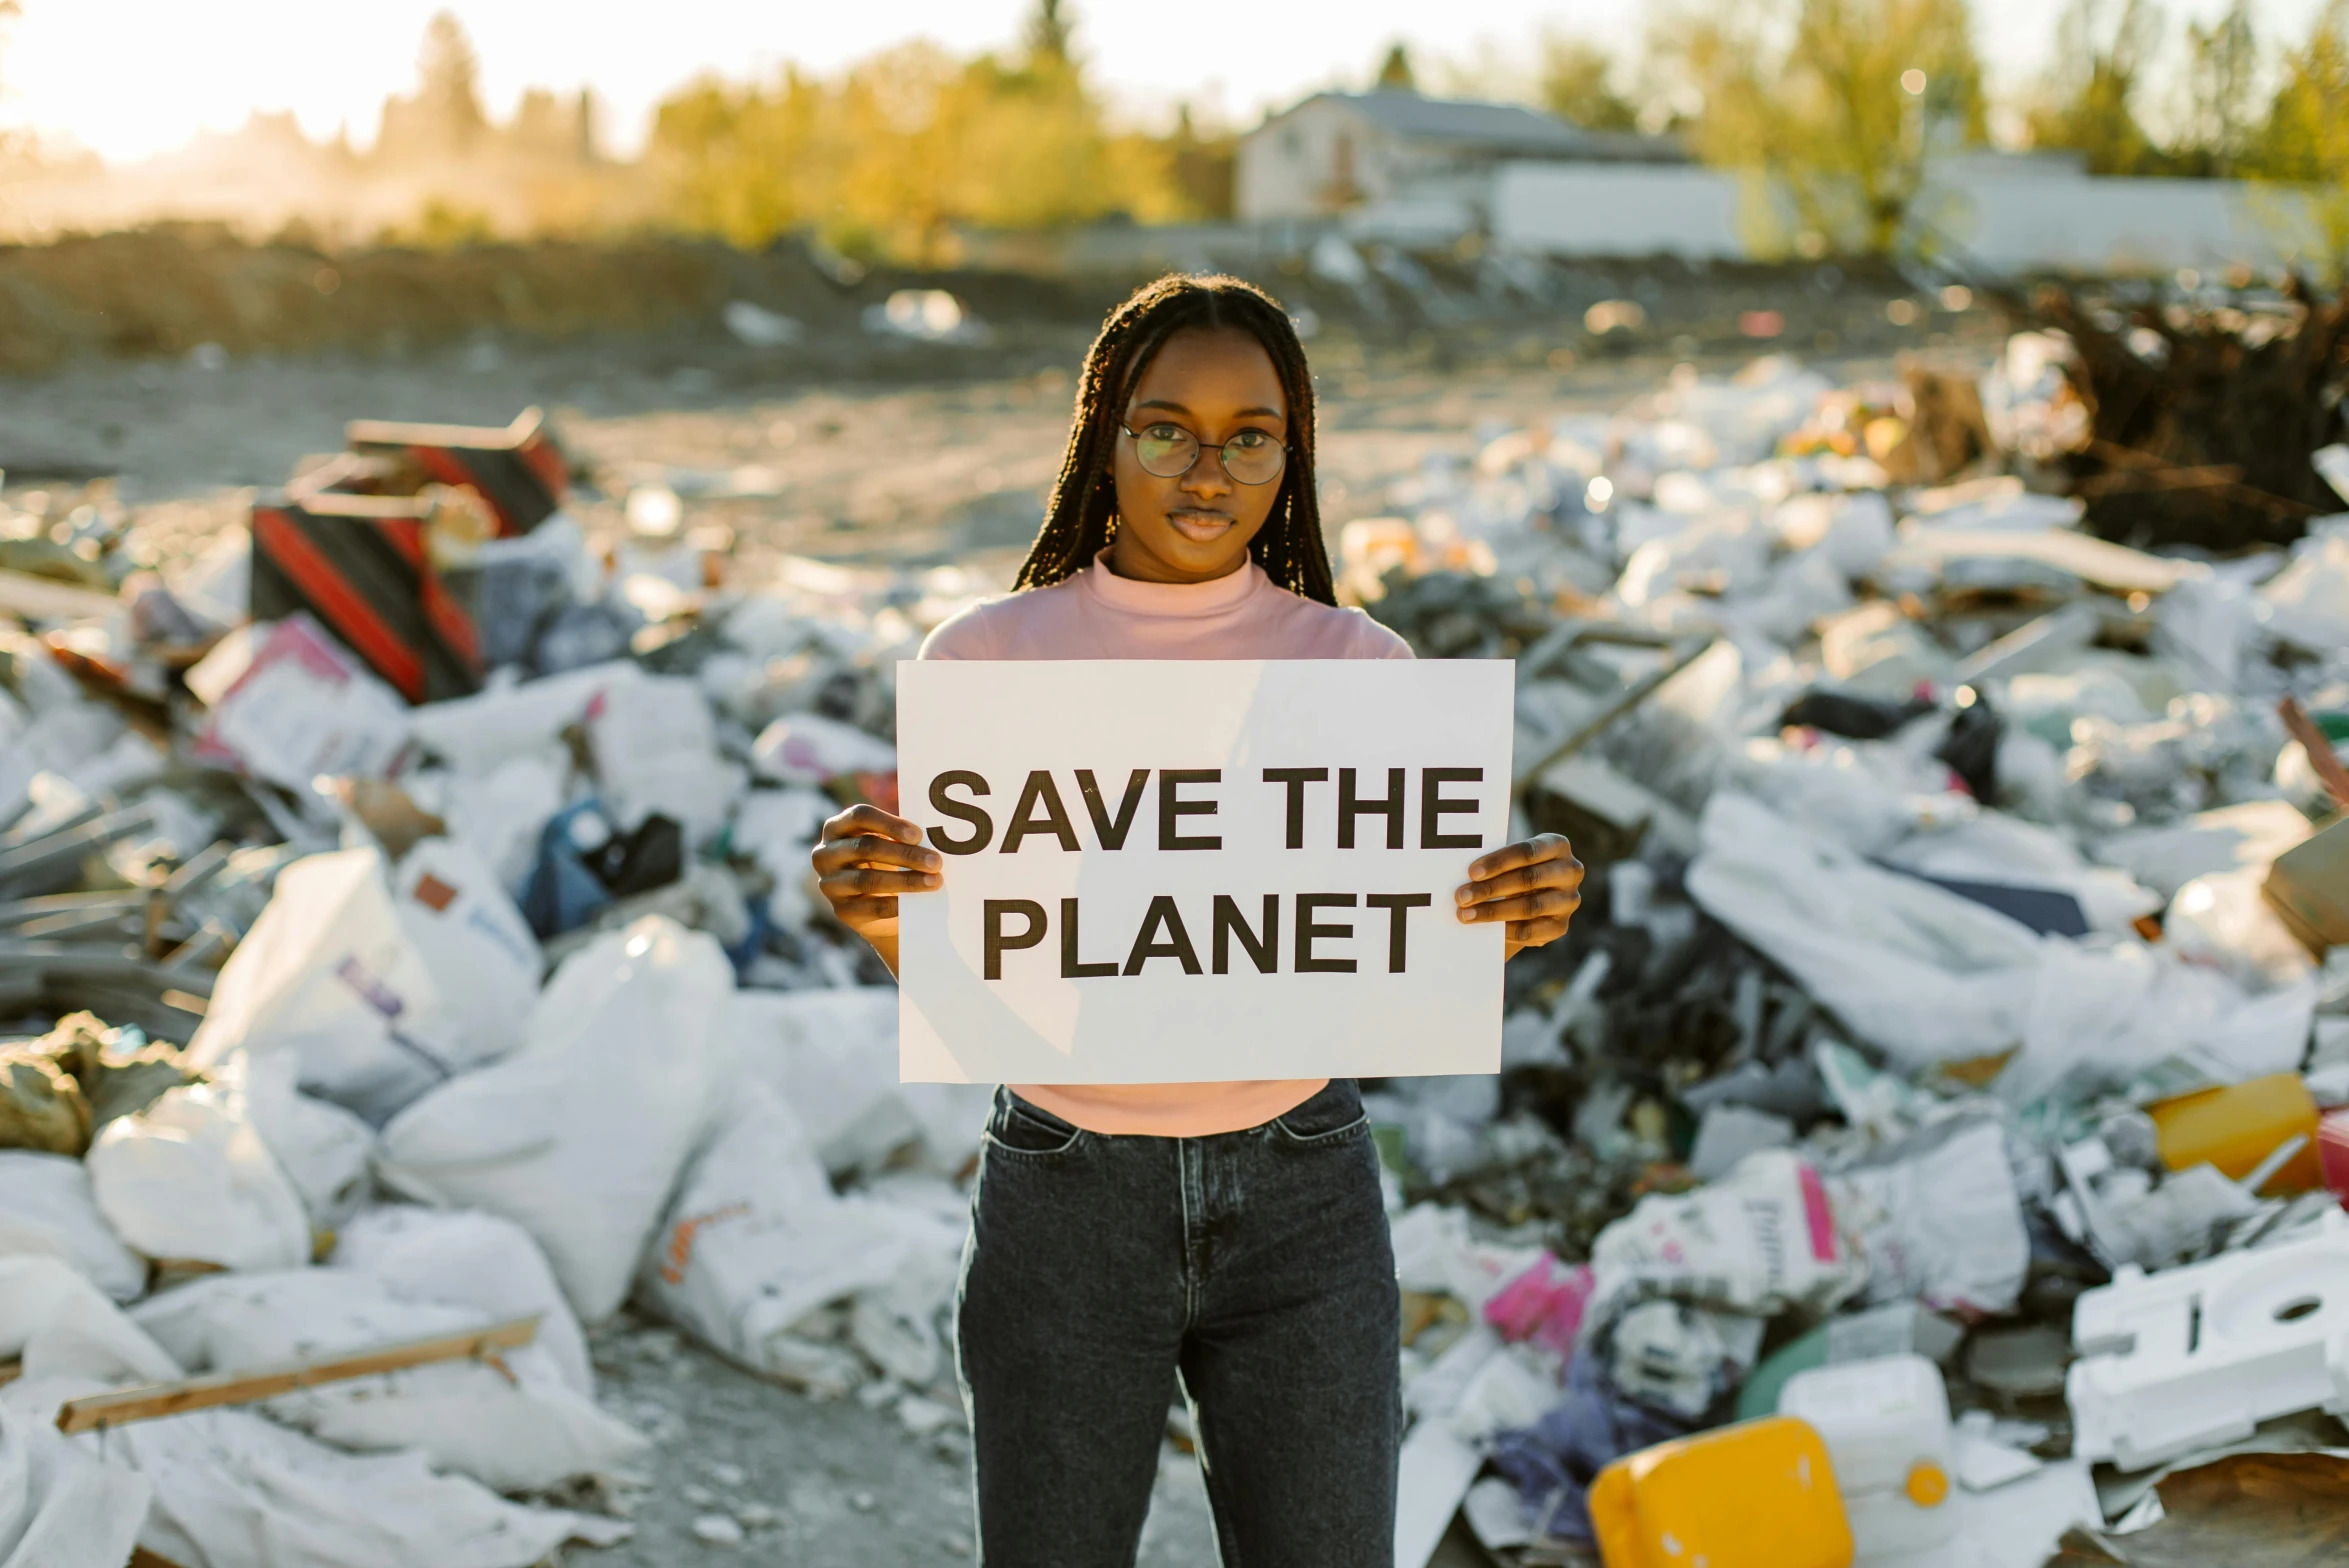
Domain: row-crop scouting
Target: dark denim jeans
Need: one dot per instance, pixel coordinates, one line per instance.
(1254, 1265)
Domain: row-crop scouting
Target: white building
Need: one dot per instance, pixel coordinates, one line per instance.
(1415, 162)
(2005, 212)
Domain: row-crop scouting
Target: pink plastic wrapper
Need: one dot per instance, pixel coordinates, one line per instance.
(1544, 1304)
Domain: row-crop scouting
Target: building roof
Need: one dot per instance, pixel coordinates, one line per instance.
(1505, 129)
(1495, 125)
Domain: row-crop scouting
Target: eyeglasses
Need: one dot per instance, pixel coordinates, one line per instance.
(1252, 457)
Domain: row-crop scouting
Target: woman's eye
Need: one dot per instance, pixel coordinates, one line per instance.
(1252, 440)
(1164, 432)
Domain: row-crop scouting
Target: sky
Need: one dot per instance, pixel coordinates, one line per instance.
(129, 78)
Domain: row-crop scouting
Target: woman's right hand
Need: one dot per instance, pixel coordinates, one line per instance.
(864, 860)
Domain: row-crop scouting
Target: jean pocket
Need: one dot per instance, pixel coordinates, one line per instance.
(1334, 1115)
(1020, 1128)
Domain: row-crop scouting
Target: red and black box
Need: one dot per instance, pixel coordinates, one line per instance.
(359, 563)
(519, 470)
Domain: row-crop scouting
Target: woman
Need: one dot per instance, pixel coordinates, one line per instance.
(1230, 1235)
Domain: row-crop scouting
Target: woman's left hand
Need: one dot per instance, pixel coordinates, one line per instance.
(1535, 886)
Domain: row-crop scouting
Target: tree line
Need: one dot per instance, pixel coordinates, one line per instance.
(1838, 109)
(892, 155)
(1842, 105)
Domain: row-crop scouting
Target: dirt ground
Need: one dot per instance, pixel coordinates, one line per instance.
(836, 1483)
(920, 461)
(932, 456)
(808, 1481)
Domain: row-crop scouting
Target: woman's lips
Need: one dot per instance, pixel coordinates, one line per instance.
(1200, 527)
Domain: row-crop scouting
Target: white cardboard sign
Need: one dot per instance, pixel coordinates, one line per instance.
(1174, 871)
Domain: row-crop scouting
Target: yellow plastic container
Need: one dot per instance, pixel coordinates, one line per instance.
(1760, 1494)
(2235, 1128)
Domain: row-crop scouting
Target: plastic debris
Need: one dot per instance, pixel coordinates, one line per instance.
(189, 1179)
(1963, 954)
(519, 1427)
(1887, 1430)
(577, 1135)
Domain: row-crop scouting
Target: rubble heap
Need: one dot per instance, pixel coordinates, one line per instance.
(430, 966)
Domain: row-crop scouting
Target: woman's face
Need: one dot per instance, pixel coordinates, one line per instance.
(1215, 384)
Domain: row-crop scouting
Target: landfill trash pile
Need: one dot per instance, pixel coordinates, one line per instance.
(1925, 1139)
(2200, 408)
(408, 940)
(1951, 1050)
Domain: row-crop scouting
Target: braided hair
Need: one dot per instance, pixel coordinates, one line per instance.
(1084, 502)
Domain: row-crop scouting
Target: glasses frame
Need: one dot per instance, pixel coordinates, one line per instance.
(1200, 449)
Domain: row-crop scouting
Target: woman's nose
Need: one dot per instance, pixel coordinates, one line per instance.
(1206, 476)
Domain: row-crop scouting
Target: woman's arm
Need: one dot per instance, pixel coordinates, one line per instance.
(865, 859)
(1535, 886)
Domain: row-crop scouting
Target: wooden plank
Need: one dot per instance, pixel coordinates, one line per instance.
(2322, 759)
(45, 599)
(2111, 566)
(152, 1400)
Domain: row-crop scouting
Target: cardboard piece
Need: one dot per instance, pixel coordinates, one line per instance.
(1225, 870)
(2308, 886)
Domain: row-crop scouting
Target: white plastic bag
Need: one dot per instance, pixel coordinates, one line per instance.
(807, 748)
(2168, 857)
(1861, 794)
(330, 975)
(189, 1178)
(60, 1508)
(776, 828)
(1435, 1254)
(499, 814)
(831, 1055)
(1853, 532)
(46, 1210)
(464, 1258)
(480, 951)
(579, 1136)
(521, 1429)
(1762, 1239)
(895, 1323)
(656, 750)
(2224, 921)
(234, 1489)
(756, 1239)
(322, 1148)
(2098, 1018)
(1925, 975)
(1993, 847)
(479, 734)
(1937, 1219)
(57, 1324)
(2309, 599)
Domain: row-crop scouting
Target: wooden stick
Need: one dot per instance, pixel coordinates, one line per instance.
(10, 1371)
(2321, 756)
(142, 1558)
(2134, 480)
(2145, 462)
(152, 1400)
(43, 599)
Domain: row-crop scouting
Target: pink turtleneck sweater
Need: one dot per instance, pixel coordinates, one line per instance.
(1095, 615)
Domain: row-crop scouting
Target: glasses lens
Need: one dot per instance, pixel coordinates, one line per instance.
(1253, 458)
(1165, 450)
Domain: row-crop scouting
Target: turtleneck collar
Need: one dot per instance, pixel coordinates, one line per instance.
(1173, 599)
